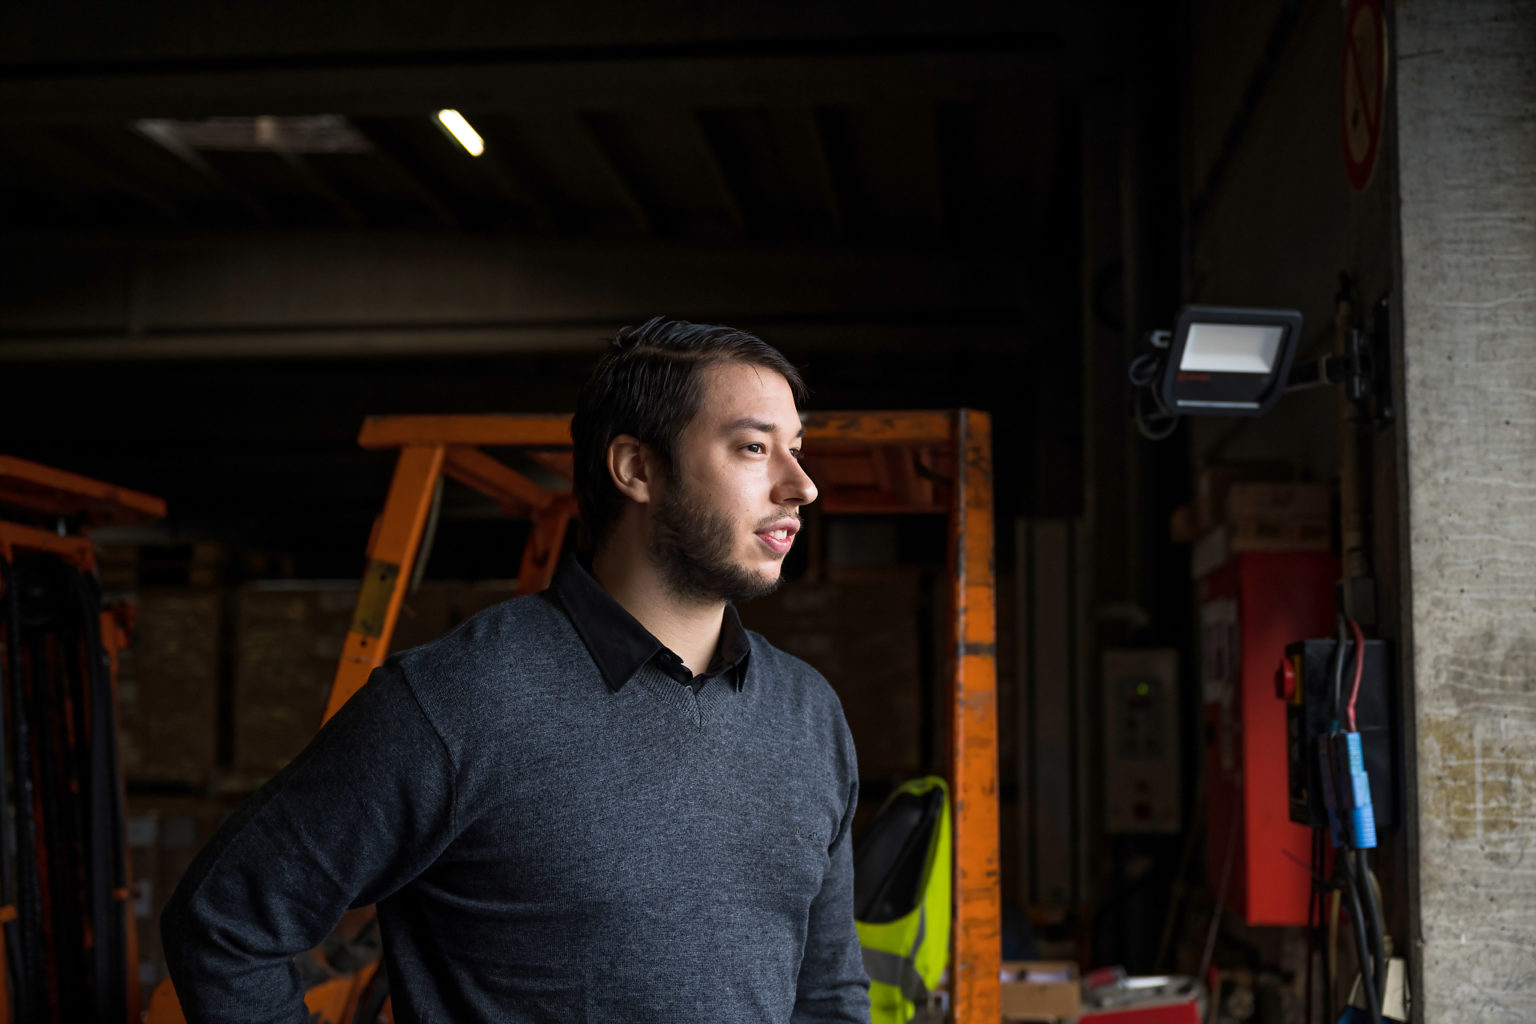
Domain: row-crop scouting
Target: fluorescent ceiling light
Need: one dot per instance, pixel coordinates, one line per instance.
(307, 133)
(454, 124)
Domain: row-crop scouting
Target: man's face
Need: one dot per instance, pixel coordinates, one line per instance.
(723, 523)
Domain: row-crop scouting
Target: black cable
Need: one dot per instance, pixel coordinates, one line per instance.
(1144, 369)
(1374, 926)
(1312, 918)
(1322, 936)
(1352, 874)
(1340, 637)
(1143, 373)
(1144, 422)
(1349, 869)
(1362, 951)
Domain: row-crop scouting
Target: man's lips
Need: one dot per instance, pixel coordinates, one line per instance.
(780, 536)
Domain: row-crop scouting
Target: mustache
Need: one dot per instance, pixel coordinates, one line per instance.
(778, 517)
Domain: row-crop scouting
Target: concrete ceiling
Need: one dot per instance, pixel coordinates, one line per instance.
(798, 121)
(890, 191)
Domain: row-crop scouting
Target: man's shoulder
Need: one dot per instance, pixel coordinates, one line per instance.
(514, 638)
(800, 700)
(784, 663)
(789, 672)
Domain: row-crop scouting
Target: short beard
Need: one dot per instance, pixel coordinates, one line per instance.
(692, 548)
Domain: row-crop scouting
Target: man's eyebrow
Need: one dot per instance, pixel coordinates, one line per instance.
(748, 423)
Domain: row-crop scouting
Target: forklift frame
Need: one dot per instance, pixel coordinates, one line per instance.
(892, 462)
(44, 492)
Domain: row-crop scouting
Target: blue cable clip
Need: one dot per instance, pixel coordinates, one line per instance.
(1362, 816)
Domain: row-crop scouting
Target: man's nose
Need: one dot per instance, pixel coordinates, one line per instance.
(794, 486)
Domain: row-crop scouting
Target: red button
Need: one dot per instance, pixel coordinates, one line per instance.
(1285, 680)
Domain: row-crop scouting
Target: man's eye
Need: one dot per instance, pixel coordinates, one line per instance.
(756, 448)
(795, 452)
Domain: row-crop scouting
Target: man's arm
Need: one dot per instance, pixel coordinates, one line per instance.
(833, 986)
(366, 807)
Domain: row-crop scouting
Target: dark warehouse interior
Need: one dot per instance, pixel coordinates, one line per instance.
(230, 234)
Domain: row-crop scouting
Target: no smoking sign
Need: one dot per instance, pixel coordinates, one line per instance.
(1362, 89)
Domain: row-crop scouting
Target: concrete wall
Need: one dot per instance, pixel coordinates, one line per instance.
(1466, 85)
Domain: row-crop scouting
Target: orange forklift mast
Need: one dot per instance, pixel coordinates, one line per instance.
(933, 462)
(47, 513)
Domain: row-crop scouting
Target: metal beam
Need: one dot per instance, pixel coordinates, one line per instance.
(294, 32)
(203, 169)
(62, 149)
(381, 285)
(811, 124)
(312, 180)
(502, 165)
(510, 339)
(728, 197)
(408, 166)
(492, 85)
(616, 174)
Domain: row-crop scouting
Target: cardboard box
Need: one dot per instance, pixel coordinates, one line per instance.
(168, 687)
(164, 835)
(289, 639)
(1212, 550)
(1213, 482)
(1041, 990)
(1278, 502)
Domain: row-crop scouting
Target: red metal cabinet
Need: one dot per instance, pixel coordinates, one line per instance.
(1251, 607)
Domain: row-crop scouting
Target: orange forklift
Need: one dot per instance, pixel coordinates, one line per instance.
(67, 931)
(929, 462)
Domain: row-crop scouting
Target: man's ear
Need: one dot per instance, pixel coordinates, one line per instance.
(629, 467)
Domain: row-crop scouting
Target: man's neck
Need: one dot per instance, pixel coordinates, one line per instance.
(689, 630)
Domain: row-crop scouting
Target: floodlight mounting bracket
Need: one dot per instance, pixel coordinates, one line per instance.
(1364, 369)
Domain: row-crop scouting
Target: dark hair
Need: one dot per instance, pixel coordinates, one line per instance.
(647, 386)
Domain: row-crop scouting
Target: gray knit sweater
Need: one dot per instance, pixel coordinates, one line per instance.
(544, 848)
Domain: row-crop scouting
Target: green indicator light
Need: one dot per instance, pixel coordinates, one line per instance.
(1142, 689)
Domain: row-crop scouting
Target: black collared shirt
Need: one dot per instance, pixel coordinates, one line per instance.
(620, 645)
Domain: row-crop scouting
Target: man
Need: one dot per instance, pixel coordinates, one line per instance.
(607, 802)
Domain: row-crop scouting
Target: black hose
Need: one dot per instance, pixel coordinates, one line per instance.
(10, 672)
(29, 903)
(107, 865)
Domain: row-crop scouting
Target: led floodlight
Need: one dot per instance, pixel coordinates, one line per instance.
(1228, 361)
(1224, 361)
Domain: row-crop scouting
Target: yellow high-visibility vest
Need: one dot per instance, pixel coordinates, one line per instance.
(905, 935)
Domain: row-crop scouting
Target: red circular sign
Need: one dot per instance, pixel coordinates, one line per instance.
(1362, 89)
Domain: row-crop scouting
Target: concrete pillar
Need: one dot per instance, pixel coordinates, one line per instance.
(1466, 121)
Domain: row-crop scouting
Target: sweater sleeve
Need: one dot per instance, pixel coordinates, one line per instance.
(833, 986)
(365, 808)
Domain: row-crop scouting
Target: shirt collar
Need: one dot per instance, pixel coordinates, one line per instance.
(619, 644)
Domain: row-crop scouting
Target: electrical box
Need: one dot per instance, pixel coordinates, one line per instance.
(1141, 741)
(1305, 682)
